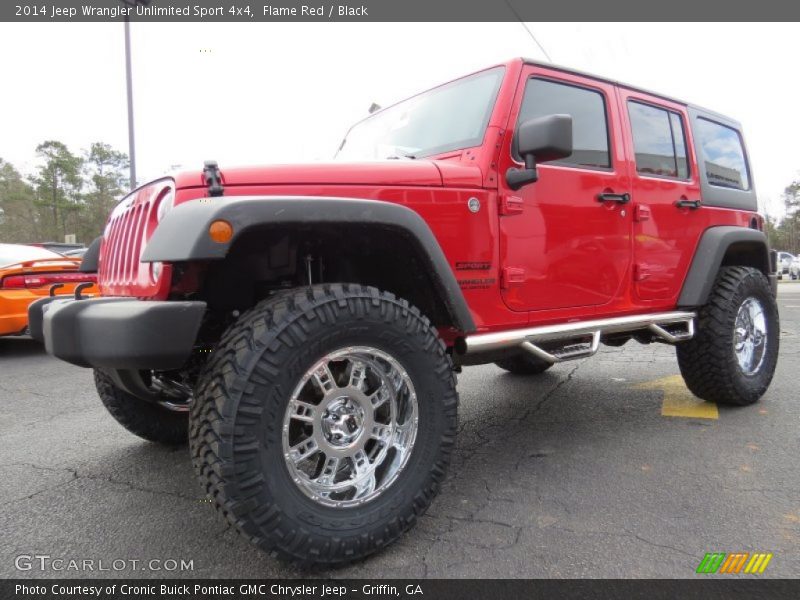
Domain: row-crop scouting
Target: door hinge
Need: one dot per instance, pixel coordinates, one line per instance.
(511, 205)
(641, 213)
(641, 272)
(512, 277)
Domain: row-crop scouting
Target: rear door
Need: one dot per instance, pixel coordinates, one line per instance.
(562, 246)
(665, 187)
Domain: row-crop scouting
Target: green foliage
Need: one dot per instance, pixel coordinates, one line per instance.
(19, 218)
(58, 185)
(68, 194)
(105, 169)
(785, 235)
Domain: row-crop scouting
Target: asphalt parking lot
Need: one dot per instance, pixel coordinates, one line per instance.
(575, 473)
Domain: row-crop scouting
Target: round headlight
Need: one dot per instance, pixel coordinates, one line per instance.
(165, 204)
(155, 270)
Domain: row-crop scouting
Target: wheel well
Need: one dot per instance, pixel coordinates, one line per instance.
(722, 246)
(266, 259)
(747, 254)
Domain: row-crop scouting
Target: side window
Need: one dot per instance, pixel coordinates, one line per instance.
(725, 163)
(588, 111)
(659, 141)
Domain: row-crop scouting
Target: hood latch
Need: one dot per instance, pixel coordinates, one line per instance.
(213, 178)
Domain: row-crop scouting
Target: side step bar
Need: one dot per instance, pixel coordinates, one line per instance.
(569, 341)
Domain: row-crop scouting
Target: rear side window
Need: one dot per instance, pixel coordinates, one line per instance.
(588, 111)
(659, 141)
(724, 160)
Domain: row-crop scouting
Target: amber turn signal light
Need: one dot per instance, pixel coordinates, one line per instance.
(220, 232)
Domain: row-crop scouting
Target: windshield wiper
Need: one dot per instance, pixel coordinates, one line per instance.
(395, 157)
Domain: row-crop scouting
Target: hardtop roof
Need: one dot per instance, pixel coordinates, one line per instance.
(546, 65)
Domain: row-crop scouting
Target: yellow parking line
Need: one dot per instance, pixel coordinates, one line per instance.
(679, 401)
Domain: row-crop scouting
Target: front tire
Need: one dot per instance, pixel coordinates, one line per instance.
(148, 420)
(323, 423)
(732, 358)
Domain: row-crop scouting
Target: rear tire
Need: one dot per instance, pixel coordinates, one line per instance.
(298, 381)
(145, 419)
(524, 364)
(732, 358)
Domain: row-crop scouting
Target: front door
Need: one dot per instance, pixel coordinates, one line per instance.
(565, 239)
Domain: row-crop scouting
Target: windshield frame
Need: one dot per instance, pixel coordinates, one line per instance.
(455, 146)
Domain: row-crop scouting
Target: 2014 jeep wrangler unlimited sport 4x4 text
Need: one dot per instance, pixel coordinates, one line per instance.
(302, 325)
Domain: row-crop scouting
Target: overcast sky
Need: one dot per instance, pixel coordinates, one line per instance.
(254, 93)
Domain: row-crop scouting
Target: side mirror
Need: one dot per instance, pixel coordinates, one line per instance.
(540, 140)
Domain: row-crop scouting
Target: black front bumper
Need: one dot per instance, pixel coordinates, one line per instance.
(117, 333)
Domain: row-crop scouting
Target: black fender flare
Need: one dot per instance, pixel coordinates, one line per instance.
(709, 256)
(182, 235)
(91, 257)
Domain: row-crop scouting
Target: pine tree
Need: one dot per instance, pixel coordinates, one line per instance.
(19, 219)
(105, 169)
(58, 186)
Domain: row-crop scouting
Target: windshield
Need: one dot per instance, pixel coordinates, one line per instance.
(16, 253)
(450, 117)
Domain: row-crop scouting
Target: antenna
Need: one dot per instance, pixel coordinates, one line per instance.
(530, 33)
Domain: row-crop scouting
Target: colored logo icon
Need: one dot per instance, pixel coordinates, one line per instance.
(738, 562)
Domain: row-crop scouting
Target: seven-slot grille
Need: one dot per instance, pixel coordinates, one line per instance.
(122, 247)
(121, 272)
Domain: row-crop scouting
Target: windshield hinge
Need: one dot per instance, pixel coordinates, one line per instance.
(213, 178)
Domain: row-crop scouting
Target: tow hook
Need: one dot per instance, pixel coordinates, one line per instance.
(80, 288)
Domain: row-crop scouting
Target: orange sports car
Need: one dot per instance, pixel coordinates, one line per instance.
(26, 274)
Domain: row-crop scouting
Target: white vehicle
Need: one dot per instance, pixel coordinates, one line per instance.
(794, 268)
(785, 260)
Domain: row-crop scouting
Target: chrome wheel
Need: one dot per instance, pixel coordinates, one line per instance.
(350, 426)
(750, 336)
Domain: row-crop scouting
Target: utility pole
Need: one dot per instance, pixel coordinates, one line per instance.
(129, 84)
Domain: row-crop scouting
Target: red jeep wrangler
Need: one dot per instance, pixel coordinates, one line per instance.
(302, 325)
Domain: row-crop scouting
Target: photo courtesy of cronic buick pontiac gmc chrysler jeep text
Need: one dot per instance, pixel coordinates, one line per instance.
(302, 326)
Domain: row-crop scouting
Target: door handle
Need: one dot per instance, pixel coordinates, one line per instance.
(692, 204)
(618, 198)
